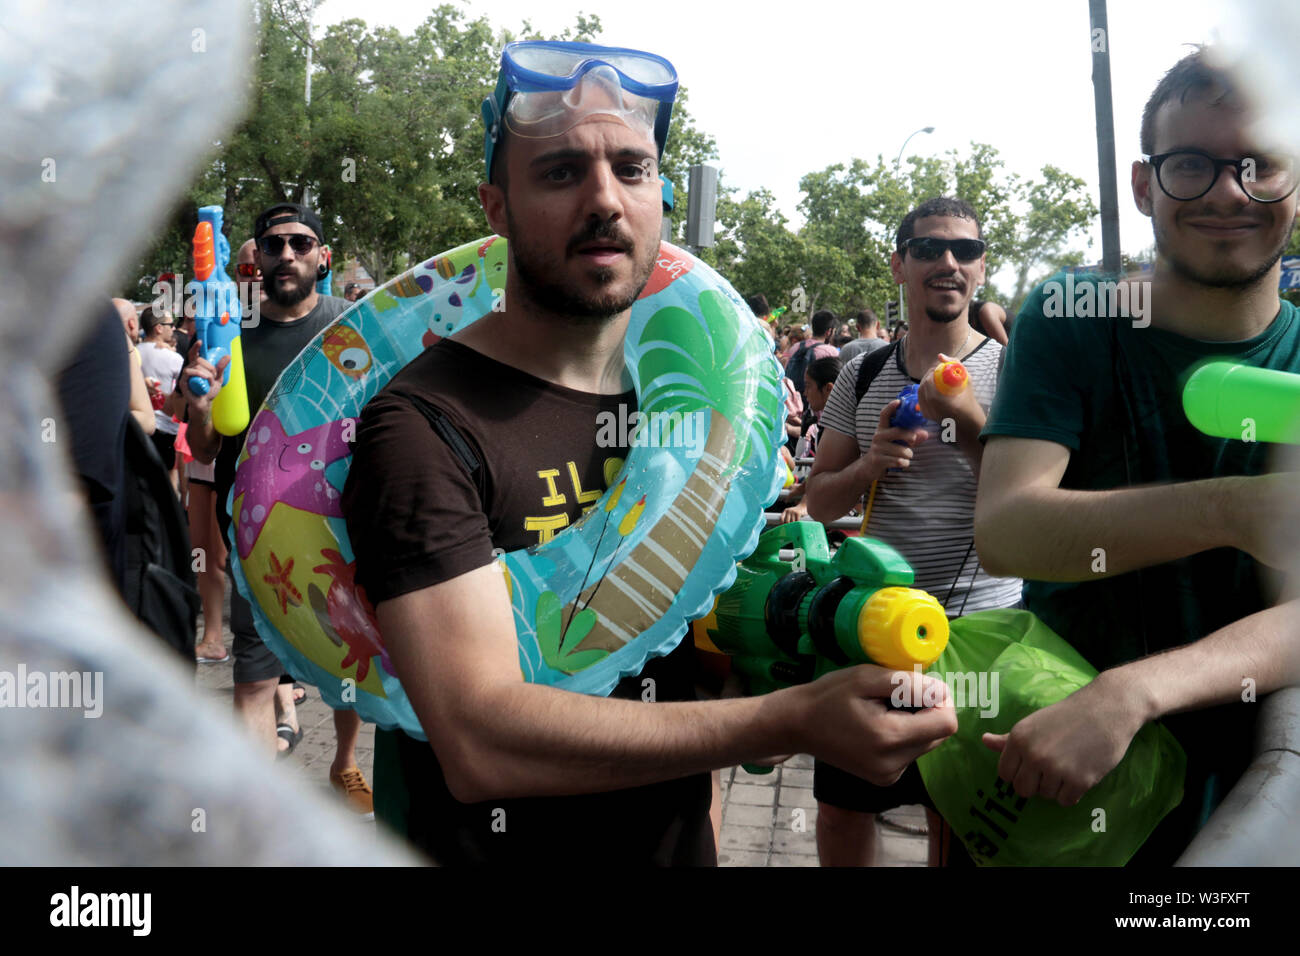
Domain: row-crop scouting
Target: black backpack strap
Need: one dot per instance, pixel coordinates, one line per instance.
(448, 432)
(869, 369)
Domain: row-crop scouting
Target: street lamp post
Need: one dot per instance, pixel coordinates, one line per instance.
(902, 299)
(926, 129)
(306, 190)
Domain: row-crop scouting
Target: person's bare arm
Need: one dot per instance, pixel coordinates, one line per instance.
(1064, 750)
(841, 475)
(1026, 526)
(498, 737)
(992, 321)
(204, 440)
(140, 406)
(175, 403)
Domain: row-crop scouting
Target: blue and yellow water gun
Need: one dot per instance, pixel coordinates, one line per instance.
(217, 318)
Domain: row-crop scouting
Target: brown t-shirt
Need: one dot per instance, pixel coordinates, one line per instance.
(417, 516)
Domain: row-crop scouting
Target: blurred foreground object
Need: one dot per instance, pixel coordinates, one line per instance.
(1258, 45)
(110, 756)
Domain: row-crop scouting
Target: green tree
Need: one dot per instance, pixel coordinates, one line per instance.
(857, 209)
(1058, 207)
(391, 147)
(769, 260)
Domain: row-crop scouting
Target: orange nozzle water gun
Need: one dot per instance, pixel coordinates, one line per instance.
(949, 378)
(217, 320)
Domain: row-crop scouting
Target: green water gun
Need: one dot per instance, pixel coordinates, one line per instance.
(1245, 403)
(790, 620)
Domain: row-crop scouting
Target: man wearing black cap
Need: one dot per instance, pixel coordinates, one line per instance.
(289, 239)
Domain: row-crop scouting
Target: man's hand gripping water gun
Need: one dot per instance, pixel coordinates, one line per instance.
(788, 621)
(949, 379)
(217, 320)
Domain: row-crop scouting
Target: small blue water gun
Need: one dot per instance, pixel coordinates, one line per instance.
(950, 378)
(217, 319)
(907, 415)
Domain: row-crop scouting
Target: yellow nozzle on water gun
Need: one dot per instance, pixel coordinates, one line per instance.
(901, 627)
(951, 377)
(230, 407)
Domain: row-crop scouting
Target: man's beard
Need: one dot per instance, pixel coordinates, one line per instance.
(944, 317)
(1222, 277)
(293, 294)
(532, 268)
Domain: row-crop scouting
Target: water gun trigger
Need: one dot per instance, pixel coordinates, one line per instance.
(793, 534)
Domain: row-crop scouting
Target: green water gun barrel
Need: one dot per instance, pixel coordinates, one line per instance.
(1244, 403)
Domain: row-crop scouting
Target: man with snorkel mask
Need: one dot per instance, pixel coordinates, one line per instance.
(515, 771)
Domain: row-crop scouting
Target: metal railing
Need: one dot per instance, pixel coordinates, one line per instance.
(842, 524)
(1258, 823)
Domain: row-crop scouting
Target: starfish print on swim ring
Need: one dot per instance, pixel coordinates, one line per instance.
(290, 470)
(279, 580)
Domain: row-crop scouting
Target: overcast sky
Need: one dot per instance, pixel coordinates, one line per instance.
(788, 88)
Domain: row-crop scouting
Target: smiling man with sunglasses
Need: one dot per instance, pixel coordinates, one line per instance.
(925, 480)
(1143, 541)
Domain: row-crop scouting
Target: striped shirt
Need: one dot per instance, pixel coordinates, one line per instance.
(926, 511)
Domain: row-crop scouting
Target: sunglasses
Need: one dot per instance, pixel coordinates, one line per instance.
(274, 245)
(248, 269)
(928, 248)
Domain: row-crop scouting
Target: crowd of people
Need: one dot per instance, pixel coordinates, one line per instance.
(1069, 438)
(280, 266)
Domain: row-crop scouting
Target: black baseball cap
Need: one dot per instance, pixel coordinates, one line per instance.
(283, 212)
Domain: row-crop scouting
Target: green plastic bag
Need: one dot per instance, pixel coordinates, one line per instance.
(1002, 666)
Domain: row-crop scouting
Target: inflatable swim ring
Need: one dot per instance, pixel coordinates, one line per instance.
(594, 603)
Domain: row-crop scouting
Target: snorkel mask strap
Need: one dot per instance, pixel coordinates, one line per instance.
(494, 118)
(662, 120)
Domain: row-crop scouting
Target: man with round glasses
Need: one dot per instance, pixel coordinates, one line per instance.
(515, 772)
(1137, 534)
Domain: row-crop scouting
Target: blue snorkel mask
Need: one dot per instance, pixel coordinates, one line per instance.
(545, 88)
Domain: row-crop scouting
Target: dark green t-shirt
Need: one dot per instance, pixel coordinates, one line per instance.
(1112, 394)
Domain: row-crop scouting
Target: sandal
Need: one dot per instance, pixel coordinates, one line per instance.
(290, 736)
(298, 698)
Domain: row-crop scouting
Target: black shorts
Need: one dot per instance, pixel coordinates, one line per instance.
(839, 788)
(842, 789)
(253, 659)
(166, 445)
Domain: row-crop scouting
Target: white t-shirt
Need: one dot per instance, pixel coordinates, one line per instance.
(926, 511)
(164, 365)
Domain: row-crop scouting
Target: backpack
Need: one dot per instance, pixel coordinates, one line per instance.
(869, 369)
(798, 364)
(160, 579)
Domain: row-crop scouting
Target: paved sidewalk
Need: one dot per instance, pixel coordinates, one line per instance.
(771, 820)
(767, 820)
